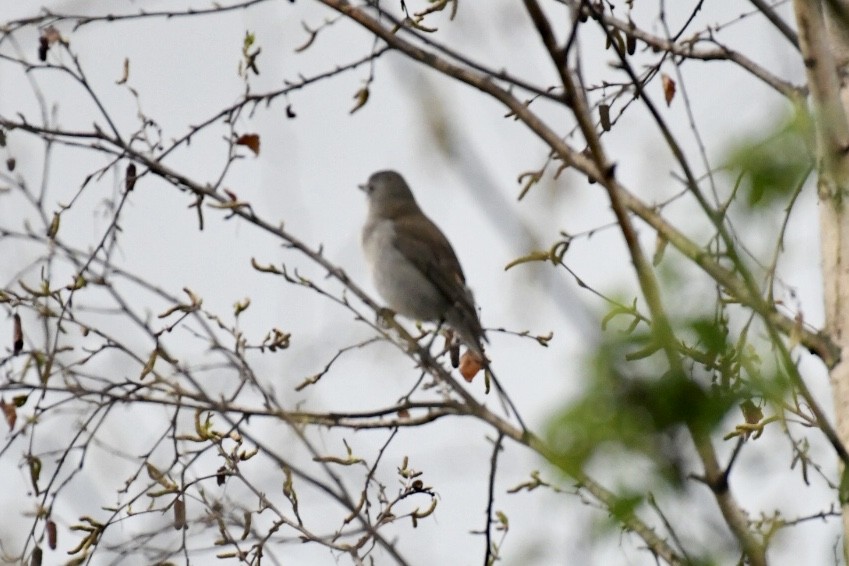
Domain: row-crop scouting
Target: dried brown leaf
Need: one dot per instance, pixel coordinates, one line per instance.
(251, 141)
(10, 412)
(668, 88)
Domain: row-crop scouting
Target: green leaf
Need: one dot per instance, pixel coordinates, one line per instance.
(635, 408)
(773, 167)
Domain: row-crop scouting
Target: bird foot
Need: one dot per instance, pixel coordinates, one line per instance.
(385, 317)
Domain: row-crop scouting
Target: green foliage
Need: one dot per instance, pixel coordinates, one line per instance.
(712, 336)
(774, 167)
(635, 413)
(632, 402)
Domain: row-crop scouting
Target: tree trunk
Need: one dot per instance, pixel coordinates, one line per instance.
(825, 47)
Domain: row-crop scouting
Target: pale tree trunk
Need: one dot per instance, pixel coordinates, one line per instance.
(825, 47)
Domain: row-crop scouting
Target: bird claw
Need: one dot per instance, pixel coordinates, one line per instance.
(385, 317)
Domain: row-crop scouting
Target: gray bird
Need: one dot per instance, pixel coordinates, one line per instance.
(412, 263)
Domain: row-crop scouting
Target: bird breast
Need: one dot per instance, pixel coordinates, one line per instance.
(405, 289)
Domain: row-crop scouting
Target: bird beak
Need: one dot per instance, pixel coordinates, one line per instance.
(362, 187)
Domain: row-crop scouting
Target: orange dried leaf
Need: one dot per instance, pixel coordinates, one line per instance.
(10, 412)
(668, 88)
(251, 141)
(470, 365)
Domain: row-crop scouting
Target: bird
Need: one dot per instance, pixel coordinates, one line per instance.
(416, 270)
(412, 263)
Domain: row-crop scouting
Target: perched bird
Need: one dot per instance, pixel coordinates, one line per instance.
(416, 270)
(412, 263)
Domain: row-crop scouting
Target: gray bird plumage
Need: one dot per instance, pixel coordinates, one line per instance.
(412, 263)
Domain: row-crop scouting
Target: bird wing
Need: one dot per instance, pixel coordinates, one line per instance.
(438, 262)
